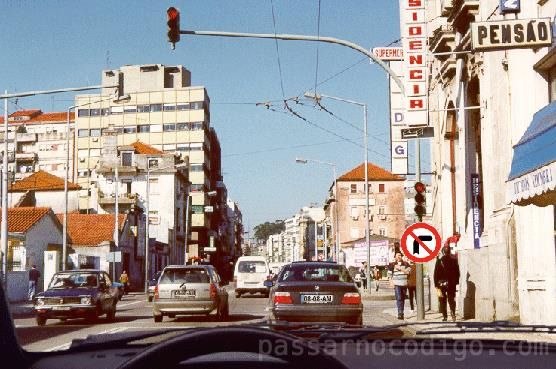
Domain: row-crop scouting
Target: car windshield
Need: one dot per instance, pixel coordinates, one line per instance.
(71, 280)
(299, 273)
(279, 164)
(171, 276)
(251, 267)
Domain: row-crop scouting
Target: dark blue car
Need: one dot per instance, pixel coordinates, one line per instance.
(84, 293)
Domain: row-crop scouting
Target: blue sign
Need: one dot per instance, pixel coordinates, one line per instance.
(510, 6)
(475, 190)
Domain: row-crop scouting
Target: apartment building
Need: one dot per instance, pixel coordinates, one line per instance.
(37, 141)
(158, 107)
(234, 228)
(148, 180)
(346, 201)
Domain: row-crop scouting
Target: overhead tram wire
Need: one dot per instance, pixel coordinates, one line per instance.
(277, 50)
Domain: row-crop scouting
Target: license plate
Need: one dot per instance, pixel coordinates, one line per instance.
(184, 294)
(61, 308)
(316, 299)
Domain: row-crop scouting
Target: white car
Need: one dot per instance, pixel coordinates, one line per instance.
(250, 274)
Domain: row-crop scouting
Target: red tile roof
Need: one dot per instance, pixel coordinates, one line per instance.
(142, 148)
(375, 173)
(91, 229)
(37, 117)
(20, 220)
(42, 181)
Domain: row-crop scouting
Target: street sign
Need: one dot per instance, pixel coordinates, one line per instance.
(209, 249)
(114, 257)
(417, 132)
(421, 242)
(388, 53)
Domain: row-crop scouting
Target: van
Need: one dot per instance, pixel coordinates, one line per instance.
(249, 275)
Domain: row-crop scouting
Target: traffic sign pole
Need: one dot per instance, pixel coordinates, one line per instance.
(419, 286)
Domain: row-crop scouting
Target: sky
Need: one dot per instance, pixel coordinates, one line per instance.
(64, 43)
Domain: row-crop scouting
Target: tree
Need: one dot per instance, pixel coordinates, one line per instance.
(263, 231)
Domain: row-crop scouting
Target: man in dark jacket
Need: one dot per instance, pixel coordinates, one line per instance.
(34, 276)
(446, 278)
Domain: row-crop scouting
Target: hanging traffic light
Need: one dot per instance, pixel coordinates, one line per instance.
(173, 26)
(420, 200)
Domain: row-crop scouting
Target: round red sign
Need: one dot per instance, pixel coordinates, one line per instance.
(421, 242)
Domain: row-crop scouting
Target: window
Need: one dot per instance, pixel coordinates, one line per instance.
(132, 129)
(182, 147)
(196, 126)
(197, 105)
(130, 109)
(143, 128)
(94, 112)
(353, 188)
(169, 127)
(105, 111)
(253, 266)
(153, 163)
(83, 112)
(156, 127)
(197, 188)
(169, 107)
(143, 108)
(127, 159)
(116, 110)
(354, 212)
(182, 127)
(83, 133)
(197, 168)
(183, 106)
(95, 132)
(381, 188)
(196, 146)
(156, 107)
(328, 273)
(169, 147)
(382, 232)
(381, 210)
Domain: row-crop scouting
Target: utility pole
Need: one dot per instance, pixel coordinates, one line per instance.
(4, 226)
(419, 286)
(116, 221)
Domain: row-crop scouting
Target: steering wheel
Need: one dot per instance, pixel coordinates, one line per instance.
(296, 352)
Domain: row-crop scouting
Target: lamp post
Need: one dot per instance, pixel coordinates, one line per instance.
(147, 203)
(336, 227)
(317, 98)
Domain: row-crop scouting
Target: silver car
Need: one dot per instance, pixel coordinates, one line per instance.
(189, 289)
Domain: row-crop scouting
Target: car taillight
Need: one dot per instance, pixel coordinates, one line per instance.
(282, 298)
(156, 292)
(213, 291)
(351, 298)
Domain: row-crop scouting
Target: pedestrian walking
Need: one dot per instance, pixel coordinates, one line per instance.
(34, 276)
(363, 272)
(124, 279)
(411, 285)
(376, 276)
(446, 278)
(399, 271)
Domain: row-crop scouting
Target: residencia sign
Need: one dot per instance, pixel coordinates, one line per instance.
(510, 34)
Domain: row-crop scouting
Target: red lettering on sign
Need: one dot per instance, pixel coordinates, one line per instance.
(414, 16)
(416, 74)
(416, 89)
(416, 59)
(414, 3)
(415, 30)
(416, 45)
(416, 104)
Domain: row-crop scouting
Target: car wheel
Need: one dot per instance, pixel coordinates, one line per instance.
(41, 320)
(238, 295)
(157, 318)
(150, 299)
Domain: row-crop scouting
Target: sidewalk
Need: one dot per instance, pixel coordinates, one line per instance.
(385, 292)
(21, 309)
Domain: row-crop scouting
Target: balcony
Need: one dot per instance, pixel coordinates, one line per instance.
(26, 137)
(463, 12)
(25, 156)
(123, 199)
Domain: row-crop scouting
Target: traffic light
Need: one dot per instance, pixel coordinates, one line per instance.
(420, 200)
(173, 26)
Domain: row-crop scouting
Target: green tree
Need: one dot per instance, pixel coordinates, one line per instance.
(262, 231)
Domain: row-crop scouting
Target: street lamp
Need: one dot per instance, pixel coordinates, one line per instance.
(336, 221)
(147, 202)
(317, 98)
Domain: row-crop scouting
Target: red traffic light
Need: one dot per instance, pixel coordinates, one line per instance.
(173, 25)
(420, 187)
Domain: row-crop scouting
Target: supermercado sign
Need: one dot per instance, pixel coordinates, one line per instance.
(414, 41)
(532, 184)
(508, 34)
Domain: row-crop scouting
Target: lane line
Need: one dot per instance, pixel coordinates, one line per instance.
(128, 304)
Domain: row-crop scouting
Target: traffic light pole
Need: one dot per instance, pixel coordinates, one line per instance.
(419, 287)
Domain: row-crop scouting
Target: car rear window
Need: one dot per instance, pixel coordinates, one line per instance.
(185, 276)
(72, 280)
(251, 267)
(317, 273)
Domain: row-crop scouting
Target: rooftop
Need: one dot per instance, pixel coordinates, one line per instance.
(20, 220)
(81, 226)
(41, 181)
(143, 148)
(374, 172)
(36, 116)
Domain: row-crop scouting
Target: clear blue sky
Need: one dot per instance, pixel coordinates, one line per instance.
(62, 43)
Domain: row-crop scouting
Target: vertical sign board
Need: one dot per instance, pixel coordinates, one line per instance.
(510, 6)
(397, 122)
(475, 190)
(414, 39)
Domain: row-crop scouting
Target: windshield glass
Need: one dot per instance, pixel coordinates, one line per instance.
(315, 274)
(251, 267)
(337, 163)
(71, 280)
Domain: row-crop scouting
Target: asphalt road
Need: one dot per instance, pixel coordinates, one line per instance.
(135, 313)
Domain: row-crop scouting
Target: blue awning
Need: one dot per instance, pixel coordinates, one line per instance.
(533, 171)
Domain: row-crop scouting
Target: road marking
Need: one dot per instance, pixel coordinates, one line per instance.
(128, 304)
(64, 346)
